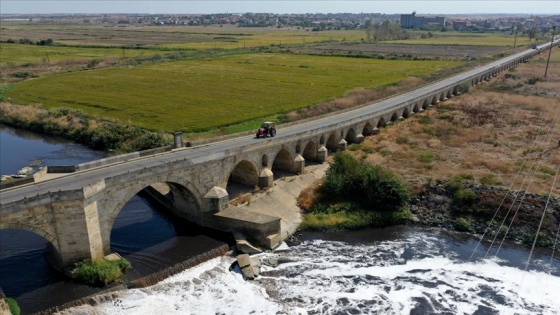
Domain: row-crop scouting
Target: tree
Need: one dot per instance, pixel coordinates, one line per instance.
(369, 29)
(532, 33)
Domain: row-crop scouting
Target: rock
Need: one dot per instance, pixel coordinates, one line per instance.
(25, 171)
(250, 267)
(243, 245)
(270, 261)
(243, 260)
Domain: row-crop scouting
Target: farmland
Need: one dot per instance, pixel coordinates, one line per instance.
(199, 95)
(196, 79)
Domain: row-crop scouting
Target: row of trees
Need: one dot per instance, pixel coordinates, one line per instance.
(41, 42)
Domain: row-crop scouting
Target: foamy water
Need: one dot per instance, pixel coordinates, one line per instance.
(415, 275)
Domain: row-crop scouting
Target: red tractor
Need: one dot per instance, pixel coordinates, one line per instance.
(267, 129)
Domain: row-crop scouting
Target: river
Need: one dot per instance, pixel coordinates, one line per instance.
(397, 270)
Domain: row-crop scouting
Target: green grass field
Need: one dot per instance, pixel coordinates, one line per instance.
(203, 94)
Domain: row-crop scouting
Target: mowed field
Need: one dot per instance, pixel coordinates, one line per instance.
(199, 95)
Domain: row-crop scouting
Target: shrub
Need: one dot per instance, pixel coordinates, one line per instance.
(533, 80)
(466, 197)
(462, 224)
(402, 140)
(488, 180)
(425, 157)
(13, 306)
(354, 147)
(424, 120)
(463, 176)
(351, 180)
(101, 272)
(542, 240)
(367, 150)
(454, 186)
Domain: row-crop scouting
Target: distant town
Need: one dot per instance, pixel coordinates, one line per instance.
(313, 22)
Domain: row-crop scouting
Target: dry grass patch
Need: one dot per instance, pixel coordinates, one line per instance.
(241, 199)
(309, 195)
(485, 132)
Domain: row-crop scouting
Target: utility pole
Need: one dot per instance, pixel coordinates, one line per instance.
(550, 50)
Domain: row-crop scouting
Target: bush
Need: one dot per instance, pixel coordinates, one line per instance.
(542, 240)
(351, 180)
(100, 272)
(462, 224)
(454, 186)
(488, 180)
(13, 306)
(533, 80)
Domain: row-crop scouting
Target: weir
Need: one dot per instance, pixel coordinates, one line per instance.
(75, 211)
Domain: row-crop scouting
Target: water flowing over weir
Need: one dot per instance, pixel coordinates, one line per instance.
(399, 270)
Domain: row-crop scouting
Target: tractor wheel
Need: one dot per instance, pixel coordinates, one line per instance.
(272, 132)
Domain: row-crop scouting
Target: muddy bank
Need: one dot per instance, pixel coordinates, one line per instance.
(491, 210)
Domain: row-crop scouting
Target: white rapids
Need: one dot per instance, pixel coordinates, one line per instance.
(413, 275)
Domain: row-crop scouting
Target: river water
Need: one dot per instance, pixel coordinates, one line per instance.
(398, 270)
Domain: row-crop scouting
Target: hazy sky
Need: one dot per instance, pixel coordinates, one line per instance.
(291, 6)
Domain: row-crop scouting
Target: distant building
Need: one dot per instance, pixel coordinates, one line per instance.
(459, 25)
(413, 21)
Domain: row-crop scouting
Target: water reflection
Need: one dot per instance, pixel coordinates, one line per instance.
(19, 148)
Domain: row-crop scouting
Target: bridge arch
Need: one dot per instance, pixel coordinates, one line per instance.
(456, 90)
(366, 131)
(394, 117)
(381, 123)
(29, 228)
(245, 173)
(434, 100)
(426, 104)
(283, 161)
(54, 251)
(350, 136)
(416, 107)
(442, 96)
(184, 196)
(310, 151)
(406, 113)
(332, 142)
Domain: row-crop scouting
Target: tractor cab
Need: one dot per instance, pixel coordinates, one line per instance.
(267, 129)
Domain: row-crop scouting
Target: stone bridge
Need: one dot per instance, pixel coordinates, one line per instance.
(74, 208)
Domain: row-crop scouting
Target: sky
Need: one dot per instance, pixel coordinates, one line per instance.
(272, 6)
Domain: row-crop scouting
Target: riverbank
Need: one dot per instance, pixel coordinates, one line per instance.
(494, 212)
